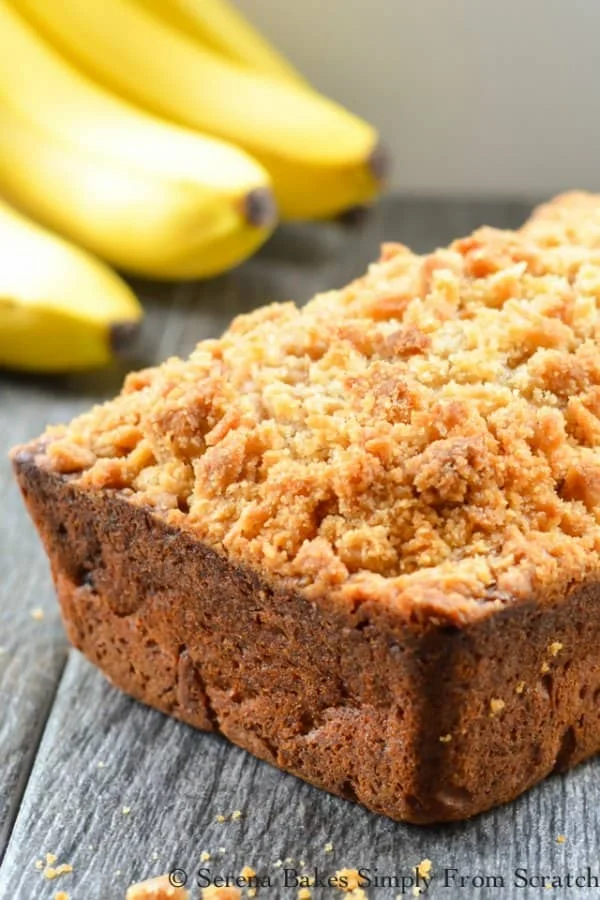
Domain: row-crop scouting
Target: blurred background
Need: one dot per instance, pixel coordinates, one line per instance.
(472, 97)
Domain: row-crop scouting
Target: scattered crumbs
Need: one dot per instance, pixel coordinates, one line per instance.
(247, 873)
(51, 872)
(126, 810)
(236, 814)
(304, 893)
(302, 863)
(496, 706)
(39, 864)
(348, 879)
(277, 864)
(100, 764)
(555, 648)
(561, 839)
(520, 687)
(423, 869)
(204, 856)
(91, 847)
(220, 818)
(158, 888)
(221, 849)
(251, 892)
(37, 614)
(544, 668)
(221, 893)
(118, 872)
(154, 856)
(61, 895)
(328, 848)
(289, 860)
(51, 859)
(445, 738)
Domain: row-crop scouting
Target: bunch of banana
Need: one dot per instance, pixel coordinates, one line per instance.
(143, 194)
(159, 135)
(59, 307)
(219, 26)
(174, 58)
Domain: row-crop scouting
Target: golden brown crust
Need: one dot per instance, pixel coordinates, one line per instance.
(426, 435)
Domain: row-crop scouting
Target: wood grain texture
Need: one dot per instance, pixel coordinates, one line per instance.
(74, 751)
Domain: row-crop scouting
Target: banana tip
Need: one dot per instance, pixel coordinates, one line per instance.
(380, 162)
(260, 208)
(122, 335)
(354, 217)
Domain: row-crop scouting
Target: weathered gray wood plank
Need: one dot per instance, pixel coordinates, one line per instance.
(176, 780)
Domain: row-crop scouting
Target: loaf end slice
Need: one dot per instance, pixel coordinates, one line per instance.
(421, 722)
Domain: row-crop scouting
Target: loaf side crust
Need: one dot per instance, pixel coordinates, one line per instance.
(422, 722)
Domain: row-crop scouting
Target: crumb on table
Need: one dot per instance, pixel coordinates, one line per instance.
(159, 888)
(348, 879)
(52, 872)
(221, 893)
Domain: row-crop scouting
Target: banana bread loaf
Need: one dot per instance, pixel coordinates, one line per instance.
(360, 539)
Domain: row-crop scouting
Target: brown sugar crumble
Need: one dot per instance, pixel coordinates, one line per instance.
(426, 435)
(158, 888)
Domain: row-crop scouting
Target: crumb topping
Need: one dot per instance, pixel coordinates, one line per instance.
(427, 436)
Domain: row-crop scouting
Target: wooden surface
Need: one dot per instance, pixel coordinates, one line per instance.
(119, 791)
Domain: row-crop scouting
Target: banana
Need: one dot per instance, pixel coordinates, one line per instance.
(321, 158)
(217, 24)
(148, 196)
(60, 309)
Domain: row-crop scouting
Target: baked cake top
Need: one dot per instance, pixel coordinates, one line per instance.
(427, 437)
